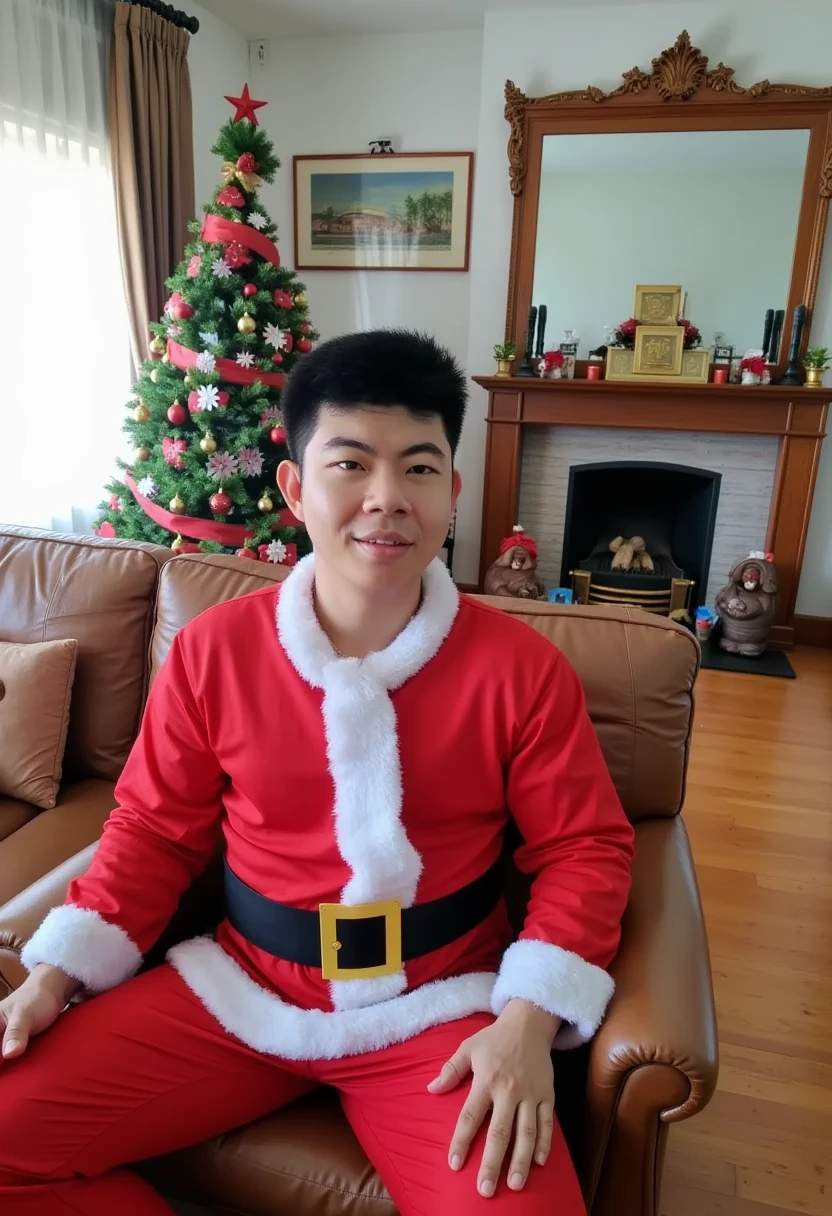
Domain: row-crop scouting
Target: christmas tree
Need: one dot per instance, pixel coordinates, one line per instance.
(205, 421)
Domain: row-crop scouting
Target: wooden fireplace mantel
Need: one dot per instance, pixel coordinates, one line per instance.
(796, 415)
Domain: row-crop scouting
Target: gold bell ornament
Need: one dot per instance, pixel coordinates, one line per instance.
(141, 413)
(265, 504)
(177, 505)
(188, 380)
(208, 443)
(158, 346)
(301, 299)
(246, 324)
(142, 453)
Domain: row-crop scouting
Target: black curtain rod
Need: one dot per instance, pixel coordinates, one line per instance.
(174, 15)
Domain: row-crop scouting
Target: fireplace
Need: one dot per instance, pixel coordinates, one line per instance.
(671, 506)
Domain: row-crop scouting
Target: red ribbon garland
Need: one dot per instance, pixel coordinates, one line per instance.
(184, 358)
(218, 231)
(201, 529)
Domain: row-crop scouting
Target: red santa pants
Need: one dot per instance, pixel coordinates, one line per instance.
(146, 1069)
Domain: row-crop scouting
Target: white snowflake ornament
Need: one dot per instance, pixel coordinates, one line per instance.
(208, 397)
(275, 336)
(276, 551)
(245, 359)
(210, 337)
(220, 268)
(258, 221)
(222, 465)
(250, 462)
(205, 361)
(147, 487)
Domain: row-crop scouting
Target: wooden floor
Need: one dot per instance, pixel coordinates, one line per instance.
(759, 813)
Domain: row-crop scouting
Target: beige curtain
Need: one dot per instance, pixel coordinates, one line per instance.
(152, 156)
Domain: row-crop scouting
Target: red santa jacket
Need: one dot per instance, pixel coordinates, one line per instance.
(339, 780)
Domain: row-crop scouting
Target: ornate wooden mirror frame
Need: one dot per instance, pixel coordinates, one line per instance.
(681, 93)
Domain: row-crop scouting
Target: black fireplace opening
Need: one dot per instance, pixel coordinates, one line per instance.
(671, 506)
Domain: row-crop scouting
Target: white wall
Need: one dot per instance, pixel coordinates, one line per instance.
(218, 62)
(726, 237)
(574, 47)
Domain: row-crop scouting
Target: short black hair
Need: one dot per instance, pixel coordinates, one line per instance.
(378, 367)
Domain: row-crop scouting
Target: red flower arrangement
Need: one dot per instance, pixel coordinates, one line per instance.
(550, 360)
(755, 364)
(625, 333)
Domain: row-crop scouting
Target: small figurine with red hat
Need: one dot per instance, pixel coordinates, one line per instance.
(514, 572)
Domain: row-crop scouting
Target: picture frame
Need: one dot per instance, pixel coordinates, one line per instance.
(659, 350)
(405, 211)
(657, 304)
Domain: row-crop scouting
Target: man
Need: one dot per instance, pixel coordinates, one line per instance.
(361, 735)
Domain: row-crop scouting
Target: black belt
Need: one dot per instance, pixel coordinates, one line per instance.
(374, 938)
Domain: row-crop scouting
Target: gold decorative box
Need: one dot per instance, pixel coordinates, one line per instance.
(694, 368)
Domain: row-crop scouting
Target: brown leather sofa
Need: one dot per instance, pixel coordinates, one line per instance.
(653, 1062)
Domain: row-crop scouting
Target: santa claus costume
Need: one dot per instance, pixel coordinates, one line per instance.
(388, 780)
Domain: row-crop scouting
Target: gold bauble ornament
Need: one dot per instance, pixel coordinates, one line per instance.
(246, 324)
(177, 544)
(141, 413)
(208, 443)
(166, 357)
(265, 504)
(142, 453)
(177, 505)
(158, 346)
(301, 299)
(188, 380)
(154, 375)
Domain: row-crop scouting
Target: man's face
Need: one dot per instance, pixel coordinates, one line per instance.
(377, 493)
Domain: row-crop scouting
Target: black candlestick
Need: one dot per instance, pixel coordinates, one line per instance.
(792, 374)
(776, 331)
(526, 368)
(541, 331)
(767, 327)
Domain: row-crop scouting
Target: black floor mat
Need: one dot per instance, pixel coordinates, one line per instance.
(771, 663)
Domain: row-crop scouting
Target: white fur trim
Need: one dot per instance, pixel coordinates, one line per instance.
(268, 1024)
(558, 981)
(85, 946)
(362, 746)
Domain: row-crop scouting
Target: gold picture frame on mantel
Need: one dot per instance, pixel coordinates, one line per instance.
(695, 368)
(658, 350)
(657, 304)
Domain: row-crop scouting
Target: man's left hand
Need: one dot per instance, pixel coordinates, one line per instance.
(512, 1071)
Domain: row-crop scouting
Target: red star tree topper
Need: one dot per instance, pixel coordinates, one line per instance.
(246, 106)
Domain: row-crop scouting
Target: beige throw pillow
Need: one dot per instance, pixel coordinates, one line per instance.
(35, 686)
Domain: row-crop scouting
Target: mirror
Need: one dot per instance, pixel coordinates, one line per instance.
(715, 211)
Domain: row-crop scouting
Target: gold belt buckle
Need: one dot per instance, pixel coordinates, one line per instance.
(330, 914)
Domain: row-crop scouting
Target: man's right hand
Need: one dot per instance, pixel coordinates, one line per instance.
(33, 1007)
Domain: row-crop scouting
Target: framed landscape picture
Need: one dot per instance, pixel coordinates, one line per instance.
(408, 211)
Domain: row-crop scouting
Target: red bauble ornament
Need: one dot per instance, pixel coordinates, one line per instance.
(194, 265)
(177, 414)
(277, 434)
(304, 345)
(282, 299)
(222, 397)
(115, 502)
(304, 327)
(248, 552)
(220, 503)
(249, 290)
(277, 358)
(193, 401)
(230, 196)
(182, 310)
(106, 529)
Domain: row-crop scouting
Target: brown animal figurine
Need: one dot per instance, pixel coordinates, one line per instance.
(747, 605)
(514, 573)
(631, 554)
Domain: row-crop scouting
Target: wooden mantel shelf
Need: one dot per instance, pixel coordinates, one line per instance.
(797, 415)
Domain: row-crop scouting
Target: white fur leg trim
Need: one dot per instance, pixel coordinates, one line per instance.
(85, 946)
(270, 1025)
(558, 981)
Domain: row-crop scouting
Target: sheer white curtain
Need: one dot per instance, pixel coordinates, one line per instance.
(64, 349)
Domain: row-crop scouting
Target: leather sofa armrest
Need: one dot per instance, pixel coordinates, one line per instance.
(655, 1060)
(23, 913)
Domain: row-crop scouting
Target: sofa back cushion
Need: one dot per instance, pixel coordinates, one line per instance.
(637, 670)
(102, 593)
(35, 691)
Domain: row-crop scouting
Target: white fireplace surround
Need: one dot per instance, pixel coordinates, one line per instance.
(746, 462)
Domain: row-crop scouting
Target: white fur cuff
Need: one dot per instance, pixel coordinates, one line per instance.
(85, 946)
(559, 982)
